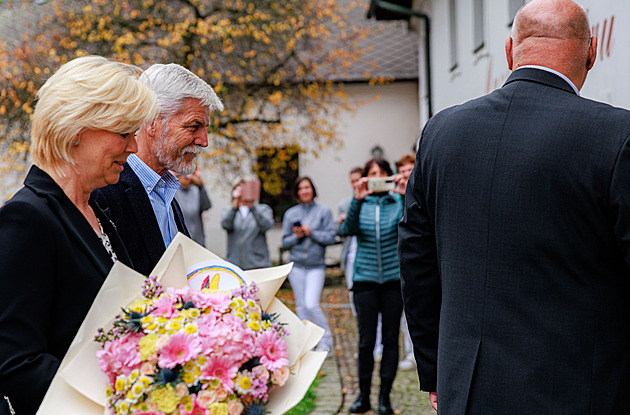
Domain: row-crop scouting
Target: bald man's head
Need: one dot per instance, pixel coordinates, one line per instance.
(555, 34)
(553, 19)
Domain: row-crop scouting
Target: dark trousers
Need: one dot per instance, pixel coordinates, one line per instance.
(370, 299)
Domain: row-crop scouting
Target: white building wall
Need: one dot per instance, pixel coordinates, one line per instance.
(485, 70)
(391, 122)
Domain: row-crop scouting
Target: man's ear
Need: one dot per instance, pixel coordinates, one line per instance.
(149, 129)
(592, 53)
(509, 46)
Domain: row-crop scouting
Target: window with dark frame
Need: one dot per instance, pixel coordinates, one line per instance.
(454, 34)
(277, 168)
(479, 25)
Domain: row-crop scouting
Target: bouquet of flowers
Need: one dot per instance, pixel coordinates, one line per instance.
(185, 347)
(183, 351)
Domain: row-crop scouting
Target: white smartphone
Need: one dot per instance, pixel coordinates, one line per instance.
(381, 184)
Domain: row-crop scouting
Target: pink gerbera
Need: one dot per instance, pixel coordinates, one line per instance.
(221, 368)
(272, 350)
(180, 349)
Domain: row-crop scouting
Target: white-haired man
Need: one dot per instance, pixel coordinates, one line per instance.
(142, 203)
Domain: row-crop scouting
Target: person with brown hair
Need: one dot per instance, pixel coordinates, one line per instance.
(307, 228)
(373, 217)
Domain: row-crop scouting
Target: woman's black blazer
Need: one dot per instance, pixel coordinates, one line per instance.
(52, 265)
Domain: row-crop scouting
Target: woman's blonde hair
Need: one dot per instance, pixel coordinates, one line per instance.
(90, 92)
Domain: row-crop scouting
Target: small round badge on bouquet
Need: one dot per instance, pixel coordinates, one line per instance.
(215, 275)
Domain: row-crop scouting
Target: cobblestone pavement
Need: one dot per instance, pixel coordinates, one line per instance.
(339, 388)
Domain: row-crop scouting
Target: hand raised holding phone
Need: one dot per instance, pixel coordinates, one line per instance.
(297, 229)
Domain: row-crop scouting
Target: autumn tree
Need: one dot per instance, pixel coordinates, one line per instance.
(272, 62)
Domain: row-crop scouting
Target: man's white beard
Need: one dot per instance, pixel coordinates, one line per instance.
(171, 157)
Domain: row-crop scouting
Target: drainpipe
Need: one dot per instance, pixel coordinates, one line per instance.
(427, 40)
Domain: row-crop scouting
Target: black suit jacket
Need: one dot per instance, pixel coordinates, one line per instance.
(515, 253)
(127, 203)
(52, 265)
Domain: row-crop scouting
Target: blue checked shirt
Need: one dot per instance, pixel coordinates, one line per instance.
(161, 191)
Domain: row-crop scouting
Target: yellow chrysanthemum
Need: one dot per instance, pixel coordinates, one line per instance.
(187, 402)
(142, 406)
(189, 366)
(175, 326)
(240, 310)
(146, 381)
(120, 384)
(254, 325)
(266, 324)
(192, 313)
(190, 329)
(138, 304)
(240, 302)
(214, 383)
(109, 391)
(218, 409)
(254, 316)
(137, 389)
(147, 345)
(162, 320)
(122, 408)
(188, 378)
(165, 398)
(161, 330)
(146, 320)
(202, 360)
(244, 383)
(251, 303)
(240, 315)
(134, 375)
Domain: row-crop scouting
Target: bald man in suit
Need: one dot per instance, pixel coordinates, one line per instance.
(515, 242)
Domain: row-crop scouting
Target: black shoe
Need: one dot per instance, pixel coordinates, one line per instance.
(384, 404)
(361, 405)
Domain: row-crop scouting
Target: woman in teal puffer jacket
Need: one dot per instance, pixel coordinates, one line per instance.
(373, 217)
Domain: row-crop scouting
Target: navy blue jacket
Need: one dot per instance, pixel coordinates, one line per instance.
(515, 253)
(127, 203)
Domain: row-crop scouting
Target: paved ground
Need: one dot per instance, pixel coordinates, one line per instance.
(339, 387)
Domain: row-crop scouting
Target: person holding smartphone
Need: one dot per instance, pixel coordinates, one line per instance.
(307, 229)
(246, 223)
(373, 217)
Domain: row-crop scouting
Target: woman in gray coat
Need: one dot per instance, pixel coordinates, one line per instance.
(246, 223)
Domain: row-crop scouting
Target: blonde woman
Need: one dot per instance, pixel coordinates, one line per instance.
(57, 247)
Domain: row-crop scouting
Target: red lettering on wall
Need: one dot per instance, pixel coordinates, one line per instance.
(605, 36)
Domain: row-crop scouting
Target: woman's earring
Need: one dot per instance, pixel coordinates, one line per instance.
(75, 142)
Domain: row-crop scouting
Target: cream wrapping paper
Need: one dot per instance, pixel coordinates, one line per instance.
(78, 388)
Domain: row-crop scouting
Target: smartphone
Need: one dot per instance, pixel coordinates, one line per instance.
(381, 184)
(250, 190)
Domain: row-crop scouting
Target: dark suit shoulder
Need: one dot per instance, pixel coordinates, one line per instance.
(26, 212)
